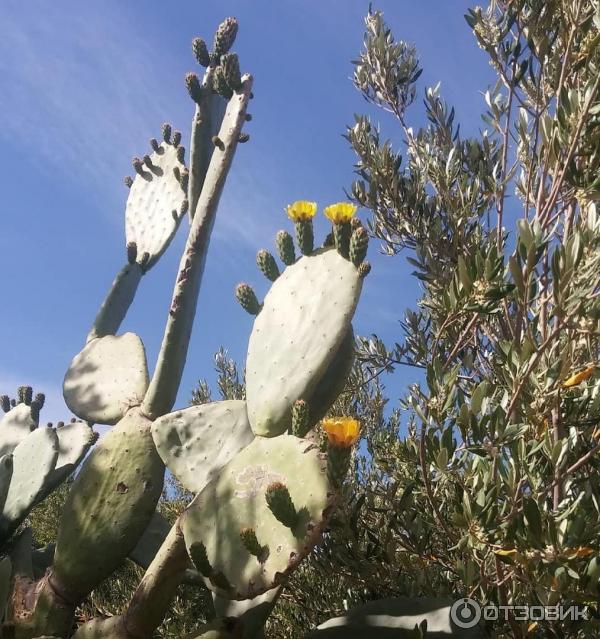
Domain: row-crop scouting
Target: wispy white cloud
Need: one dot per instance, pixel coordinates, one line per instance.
(80, 90)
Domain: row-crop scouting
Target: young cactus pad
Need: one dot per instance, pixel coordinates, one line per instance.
(15, 426)
(106, 378)
(304, 319)
(155, 204)
(40, 463)
(34, 459)
(197, 442)
(236, 502)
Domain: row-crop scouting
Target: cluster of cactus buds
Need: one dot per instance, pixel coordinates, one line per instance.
(34, 460)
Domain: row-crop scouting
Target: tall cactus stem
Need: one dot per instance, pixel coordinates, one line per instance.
(208, 116)
(165, 382)
(117, 302)
(152, 598)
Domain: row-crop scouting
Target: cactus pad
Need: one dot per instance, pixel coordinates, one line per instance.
(74, 441)
(197, 442)
(34, 459)
(236, 501)
(305, 317)
(155, 204)
(15, 426)
(106, 378)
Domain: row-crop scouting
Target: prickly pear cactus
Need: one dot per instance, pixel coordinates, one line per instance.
(303, 322)
(38, 461)
(109, 506)
(34, 459)
(157, 199)
(248, 529)
(15, 426)
(197, 442)
(106, 378)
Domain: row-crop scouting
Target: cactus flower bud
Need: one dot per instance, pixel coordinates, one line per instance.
(166, 132)
(193, 86)
(364, 269)
(359, 243)
(248, 537)
(300, 418)
(220, 85)
(247, 298)
(285, 247)
(266, 263)
(231, 70)
(131, 252)
(225, 36)
(200, 51)
(280, 503)
(5, 403)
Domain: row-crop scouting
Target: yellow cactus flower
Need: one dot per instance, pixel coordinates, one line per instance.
(576, 379)
(340, 212)
(342, 431)
(301, 210)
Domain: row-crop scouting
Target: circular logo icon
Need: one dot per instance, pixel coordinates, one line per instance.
(465, 613)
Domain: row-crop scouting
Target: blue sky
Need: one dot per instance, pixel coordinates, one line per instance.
(85, 85)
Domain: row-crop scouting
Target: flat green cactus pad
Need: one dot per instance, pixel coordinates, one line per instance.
(74, 441)
(34, 459)
(106, 378)
(14, 427)
(305, 317)
(154, 206)
(197, 442)
(236, 502)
